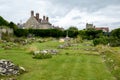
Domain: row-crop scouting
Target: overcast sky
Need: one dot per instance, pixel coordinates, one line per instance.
(65, 13)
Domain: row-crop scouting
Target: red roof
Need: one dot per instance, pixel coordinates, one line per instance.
(104, 29)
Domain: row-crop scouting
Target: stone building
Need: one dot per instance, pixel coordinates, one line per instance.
(91, 26)
(35, 22)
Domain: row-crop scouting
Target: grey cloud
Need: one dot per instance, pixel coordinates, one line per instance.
(116, 24)
(76, 17)
(63, 7)
(15, 10)
(91, 5)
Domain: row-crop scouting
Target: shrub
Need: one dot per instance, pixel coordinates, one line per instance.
(42, 56)
(21, 32)
(113, 62)
(115, 37)
(8, 37)
(67, 53)
(79, 39)
(115, 33)
(18, 40)
(103, 40)
(114, 42)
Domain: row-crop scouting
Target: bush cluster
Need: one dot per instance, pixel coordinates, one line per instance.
(102, 40)
(114, 42)
(45, 33)
(43, 56)
(90, 34)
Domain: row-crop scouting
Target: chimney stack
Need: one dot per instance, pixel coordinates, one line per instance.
(43, 18)
(37, 16)
(32, 13)
(47, 19)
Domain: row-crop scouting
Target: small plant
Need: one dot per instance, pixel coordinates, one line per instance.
(78, 39)
(42, 56)
(67, 53)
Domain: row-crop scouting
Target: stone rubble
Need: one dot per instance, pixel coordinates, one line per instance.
(51, 51)
(7, 68)
(65, 45)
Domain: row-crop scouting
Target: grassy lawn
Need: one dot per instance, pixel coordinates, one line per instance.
(80, 66)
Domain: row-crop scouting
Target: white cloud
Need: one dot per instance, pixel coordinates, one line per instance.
(102, 17)
(72, 18)
(62, 14)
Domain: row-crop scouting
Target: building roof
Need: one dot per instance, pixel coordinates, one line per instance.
(34, 22)
(104, 29)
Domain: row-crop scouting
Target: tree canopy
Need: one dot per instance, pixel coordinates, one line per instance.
(116, 33)
(3, 22)
(73, 28)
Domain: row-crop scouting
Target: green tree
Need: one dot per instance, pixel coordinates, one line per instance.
(73, 28)
(115, 37)
(115, 33)
(71, 31)
(3, 22)
(12, 25)
(102, 40)
(92, 34)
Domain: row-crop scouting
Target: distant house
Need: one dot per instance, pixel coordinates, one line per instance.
(35, 22)
(104, 29)
(91, 26)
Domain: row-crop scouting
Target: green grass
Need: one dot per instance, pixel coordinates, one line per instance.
(59, 67)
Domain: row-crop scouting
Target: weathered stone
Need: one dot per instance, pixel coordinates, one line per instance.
(36, 52)
(61, 40)
(51, 51)
(61, 46)
(7, 68)
(44, 51)
(22, 68)
(54, 51)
